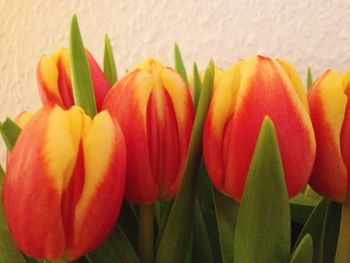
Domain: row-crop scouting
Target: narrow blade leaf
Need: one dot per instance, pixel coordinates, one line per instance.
(323, 226)
(263, 224)
(205, 195)
(226, 216)
(301, 207)
(179, 64)
(81, 78)
(175, 238)
(197, 85)
(129, 223)
(116, 249)
(9, 131)
(303, 253)
(109, 67)
(309, 78)
(201, 250)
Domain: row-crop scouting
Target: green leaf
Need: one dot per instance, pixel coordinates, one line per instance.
(201, 249)
(81, 79)
(303, 253)
(205, 195)
(197, 85)
(116, 249)
(263, 224)
(83, 259)
(129, 223)
(174, 241)
(109, 67)
(226, 216)
(331, 231)
(309, 78)
(301, 207)
(179, 64)
(9, 131)
(323, 226)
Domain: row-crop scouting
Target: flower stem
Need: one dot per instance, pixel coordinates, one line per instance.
(58, 261)
(146, 241)
(343, 246)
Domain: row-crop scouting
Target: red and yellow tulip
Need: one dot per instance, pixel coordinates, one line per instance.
(245, 94)
(54, 79)
(64, 182)
(155, 111)
(330, 114)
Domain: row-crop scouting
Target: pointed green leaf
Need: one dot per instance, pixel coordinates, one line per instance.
(179, 224)
(83, 259)
(197, 85)
(226, 214)
(201, 249)
(129, 223)
(301, 207)
(205, 195)
(331, 230)
(109, 67)
(303, 253)
(314, 226)
(263, 224)
(81, 78)
(309, 78)
(9, 131)
(179, 64)
(323, 226)
(116, 249)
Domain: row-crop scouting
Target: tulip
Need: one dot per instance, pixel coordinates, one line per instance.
(155, 111)
(64, 182)
(330, 114)
(247, 92)
(54, 79)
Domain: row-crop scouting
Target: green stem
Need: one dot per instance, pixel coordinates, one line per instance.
(343, 247)
(146, 241)
(58, 261)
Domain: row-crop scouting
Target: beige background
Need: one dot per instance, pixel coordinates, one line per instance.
(307, 33)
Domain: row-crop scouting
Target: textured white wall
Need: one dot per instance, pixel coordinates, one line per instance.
(307, 33)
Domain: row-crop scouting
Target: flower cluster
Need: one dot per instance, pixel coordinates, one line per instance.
(69, 172)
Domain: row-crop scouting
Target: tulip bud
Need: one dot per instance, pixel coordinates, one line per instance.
(64, 182)
(247, 92)
(155, 111)
(54, 79)
(330, 115)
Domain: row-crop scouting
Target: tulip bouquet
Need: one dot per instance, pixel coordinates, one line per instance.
(238, 165)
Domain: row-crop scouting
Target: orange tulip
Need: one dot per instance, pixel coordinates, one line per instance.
(64, 182)
(247, 92)
(54, 79)
(155, 110)
(330, 114)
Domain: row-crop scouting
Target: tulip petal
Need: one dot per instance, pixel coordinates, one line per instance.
(265, 89)
(327, 103)
(131, 112)
(99, 81)
(295, 79)
(100, 201)
(220, 111)
(183, 113)
(31, 214)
